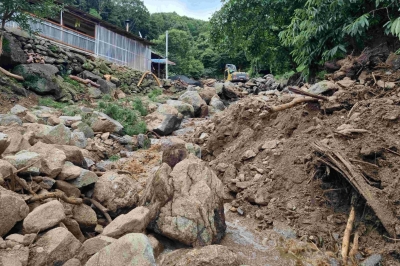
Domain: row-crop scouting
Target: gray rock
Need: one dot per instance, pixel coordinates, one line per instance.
(54, 248)
(95, 92)
(169, 194)
(86, 178)
(116, 191)
(217, 103)
(40, 78)
(209, 255)
(134, 221)
(86, 129)
(373, 260)
(322, 87)
(89, 75)
(78, 139)
(131, 249)
(104, 165)
(106, 87)
(184, 108)
(44, 217)
(12, 210)
(95, 244)
(103, 123)
(12, 54)
(193, 98)
(23, 159)
(18, 109)
(164, 123)
(59, 134)
(7, 120)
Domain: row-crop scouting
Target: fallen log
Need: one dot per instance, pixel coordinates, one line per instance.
(294, 102)
(85, 81)
(11, 74)
(374, 197)
(308, 94)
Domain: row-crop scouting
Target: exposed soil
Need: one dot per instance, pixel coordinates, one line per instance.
(283, 182)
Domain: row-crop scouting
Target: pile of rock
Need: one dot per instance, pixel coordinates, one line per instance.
(57, 207)
(46, 77)
(194, 102)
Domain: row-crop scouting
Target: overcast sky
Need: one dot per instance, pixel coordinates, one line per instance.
(200, 9)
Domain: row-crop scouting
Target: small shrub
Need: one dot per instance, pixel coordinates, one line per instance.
(45, 101)
(114, 158)
(53, 48)
(321, 75)
(127, 117)
(138, 106)
(154, 94)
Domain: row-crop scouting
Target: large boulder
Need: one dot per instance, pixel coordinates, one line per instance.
(59, 134)
(132, 249)
(85, 216)
(13, 54)
(207, 93)
(193, 98)
(165, 121)
(54, 248)
(9, 119)
(44, 217)
(74, 154)
(25, 161)
(179, 199)
(40, 78)
(184, 108)
(52, 159)
(12, 210)
(116, 191)
(134, 221)
(17, 141)
(101, 122)
(217, 103)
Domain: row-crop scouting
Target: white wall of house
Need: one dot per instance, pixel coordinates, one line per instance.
(106, 44)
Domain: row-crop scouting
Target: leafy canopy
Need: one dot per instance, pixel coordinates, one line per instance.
(19, 10)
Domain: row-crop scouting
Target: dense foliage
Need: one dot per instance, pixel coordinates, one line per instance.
(285, 34)
(17, 10)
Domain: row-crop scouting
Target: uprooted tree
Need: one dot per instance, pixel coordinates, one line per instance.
(23, 12)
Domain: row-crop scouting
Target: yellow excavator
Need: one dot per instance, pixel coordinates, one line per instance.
(231, 74)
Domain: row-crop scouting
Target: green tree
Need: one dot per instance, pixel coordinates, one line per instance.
(326, 29)
(19, 11)
(252, 27)
(181, 51)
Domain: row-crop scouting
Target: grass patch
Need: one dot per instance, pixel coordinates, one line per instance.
(53, 48)
(154, 94)
(45, 101)
(138, 106)
(127, 117)
(114, 158)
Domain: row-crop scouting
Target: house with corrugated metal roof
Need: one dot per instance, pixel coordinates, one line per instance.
(79, 30)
